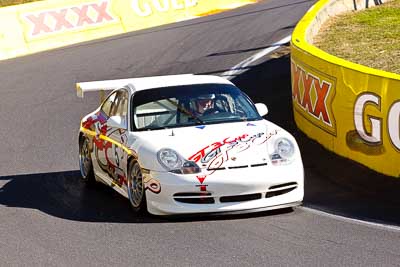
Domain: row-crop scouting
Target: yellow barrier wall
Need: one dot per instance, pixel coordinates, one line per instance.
(350, 109)
(44, 25)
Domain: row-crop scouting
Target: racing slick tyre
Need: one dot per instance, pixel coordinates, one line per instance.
(136, 189)
(85, 162)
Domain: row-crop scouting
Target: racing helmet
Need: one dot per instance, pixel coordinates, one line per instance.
(206, 97)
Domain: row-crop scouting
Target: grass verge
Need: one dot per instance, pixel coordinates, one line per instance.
(369, 37)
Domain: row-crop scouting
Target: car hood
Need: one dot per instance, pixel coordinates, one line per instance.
(212, 146)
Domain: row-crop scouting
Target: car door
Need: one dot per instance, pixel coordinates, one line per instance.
(101, 144)
(117, 125)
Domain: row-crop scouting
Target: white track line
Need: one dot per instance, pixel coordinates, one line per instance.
(241, 67)
(357, 221)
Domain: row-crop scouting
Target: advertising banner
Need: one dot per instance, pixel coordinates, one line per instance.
(350, 109)
(44, 25)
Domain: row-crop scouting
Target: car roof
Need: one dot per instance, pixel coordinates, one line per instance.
(145, 83)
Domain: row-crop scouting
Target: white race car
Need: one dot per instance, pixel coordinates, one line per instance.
(183, 144)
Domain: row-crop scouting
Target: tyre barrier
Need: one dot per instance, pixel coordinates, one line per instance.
(350, 109)
(44, 25)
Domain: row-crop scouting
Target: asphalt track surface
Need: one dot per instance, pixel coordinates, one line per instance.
(47, 216)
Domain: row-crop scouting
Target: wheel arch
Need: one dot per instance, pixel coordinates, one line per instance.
(81, 137)
(132, 158)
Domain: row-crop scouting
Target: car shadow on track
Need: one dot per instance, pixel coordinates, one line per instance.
(64, 195)
(332, 183)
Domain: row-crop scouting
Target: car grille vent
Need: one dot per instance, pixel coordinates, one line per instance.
(259, 165)
(282, 185)
(238, 167)
(194, 198)
(280, 189)
(240, 198)
(206, 198)
(192, 194)
(277, 193)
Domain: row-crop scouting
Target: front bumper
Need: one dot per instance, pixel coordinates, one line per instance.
(245, 190)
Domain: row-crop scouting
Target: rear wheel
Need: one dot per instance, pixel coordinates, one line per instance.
(85, 162)
(136, 190)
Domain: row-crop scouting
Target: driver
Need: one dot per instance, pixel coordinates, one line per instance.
(204, 103)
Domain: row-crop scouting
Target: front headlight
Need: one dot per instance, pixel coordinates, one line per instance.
(169, 159)
(175, 163)
(284, 147)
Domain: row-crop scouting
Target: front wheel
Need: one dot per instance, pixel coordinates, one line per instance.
(85, 162)
(136, 190)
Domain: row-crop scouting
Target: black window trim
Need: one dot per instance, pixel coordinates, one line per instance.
(116, 91)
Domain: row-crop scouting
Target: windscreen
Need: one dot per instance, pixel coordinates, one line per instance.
(190, 105)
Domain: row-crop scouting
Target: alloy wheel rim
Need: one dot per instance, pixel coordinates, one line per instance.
(85, 160)
(136, 186)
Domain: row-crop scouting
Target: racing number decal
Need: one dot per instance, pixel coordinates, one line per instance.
(108, 160)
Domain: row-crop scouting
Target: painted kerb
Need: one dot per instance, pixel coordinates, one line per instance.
(350, 109)
(49, 24)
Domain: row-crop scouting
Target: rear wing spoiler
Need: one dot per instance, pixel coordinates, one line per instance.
(101, 86)
(134, 83)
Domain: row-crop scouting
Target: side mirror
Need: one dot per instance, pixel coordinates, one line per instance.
(262, 109)
(116, 122)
